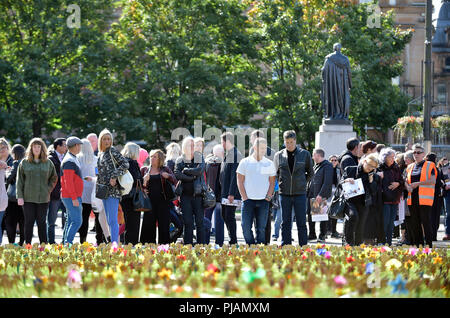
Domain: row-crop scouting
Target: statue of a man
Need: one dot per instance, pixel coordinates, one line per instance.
(336, 84)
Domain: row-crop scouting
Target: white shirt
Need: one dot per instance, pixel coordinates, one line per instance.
(257, 175)
(60, 156)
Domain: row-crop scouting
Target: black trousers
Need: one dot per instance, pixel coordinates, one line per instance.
(435, 215)
(311, 224)
(35, 213)
(354, 226)
(420, 216)
(14, 216)
(332, 224)
(374, 228)
(160, 213)
(132, 221)
(83, 230)
(229, 218)
(99, 237)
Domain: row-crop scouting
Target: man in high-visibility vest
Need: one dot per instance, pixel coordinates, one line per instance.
(420, 181)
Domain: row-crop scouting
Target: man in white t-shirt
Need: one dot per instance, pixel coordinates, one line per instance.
(256, 181)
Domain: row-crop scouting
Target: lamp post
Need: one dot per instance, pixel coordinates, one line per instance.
(427, 80)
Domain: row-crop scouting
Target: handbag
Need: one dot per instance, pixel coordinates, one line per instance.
(101, 191)
(169, 191)
(125, 181)
(209, 198)
(141, 201)
(12, 192)
(338, 205)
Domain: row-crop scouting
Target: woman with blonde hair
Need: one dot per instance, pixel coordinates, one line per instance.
(173, 151)
(36, 178)
(189, 169)
(359, 206)
(111, 164)
(158, 182)
(131, 152)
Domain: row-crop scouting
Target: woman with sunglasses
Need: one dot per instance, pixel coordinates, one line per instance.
(420, 183)
(359, 205)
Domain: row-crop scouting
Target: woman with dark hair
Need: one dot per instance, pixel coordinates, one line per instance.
(36, 178)
(438, 202)
(14, 212)
(368, 147)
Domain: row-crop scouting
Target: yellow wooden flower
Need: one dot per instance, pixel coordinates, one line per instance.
(110, 274)
(409, 264)
(164, 273)
(393, 264)
(437, 260)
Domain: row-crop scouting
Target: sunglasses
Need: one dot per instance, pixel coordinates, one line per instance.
(417, 152)
(333, 159)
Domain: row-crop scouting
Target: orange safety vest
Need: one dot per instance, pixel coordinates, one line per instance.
(426, 192)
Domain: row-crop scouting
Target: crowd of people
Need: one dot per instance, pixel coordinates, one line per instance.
(81, 176)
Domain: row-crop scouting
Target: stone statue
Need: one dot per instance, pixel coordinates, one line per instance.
(336, 84)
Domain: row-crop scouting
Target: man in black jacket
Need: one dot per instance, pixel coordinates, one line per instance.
(294, 170)
(228, 183)
(350, 157)
(319, 188)
(56, 156)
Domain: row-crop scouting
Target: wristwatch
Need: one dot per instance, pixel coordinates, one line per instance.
(269, 197)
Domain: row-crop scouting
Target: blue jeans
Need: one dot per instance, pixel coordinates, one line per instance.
(74, 219)
(298, 202)
(52, 214)
(218, 223)
(447, 211)
(277, 225)
(259, 210)
(111, 210)
(390, 212)
(2, 213)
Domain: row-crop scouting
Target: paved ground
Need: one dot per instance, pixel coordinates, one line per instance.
(331, 241)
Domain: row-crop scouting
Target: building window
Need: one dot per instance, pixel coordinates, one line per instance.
(442, 93)
(447, 64)
(392, 2)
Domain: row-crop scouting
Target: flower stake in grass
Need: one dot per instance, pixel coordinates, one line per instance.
(253, 279)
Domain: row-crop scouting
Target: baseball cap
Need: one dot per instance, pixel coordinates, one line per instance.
(72, 141)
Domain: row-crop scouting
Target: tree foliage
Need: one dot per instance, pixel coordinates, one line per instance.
(145, 67)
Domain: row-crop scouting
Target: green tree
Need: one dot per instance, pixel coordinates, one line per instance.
(48, 63)
(295, 38)
(177, 61)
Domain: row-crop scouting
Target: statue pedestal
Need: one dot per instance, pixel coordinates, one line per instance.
(333, 138)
